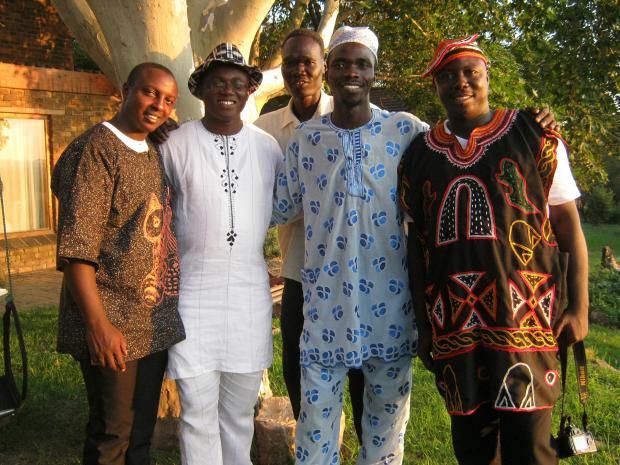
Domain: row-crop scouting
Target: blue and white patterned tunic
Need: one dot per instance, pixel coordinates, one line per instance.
(357, 303)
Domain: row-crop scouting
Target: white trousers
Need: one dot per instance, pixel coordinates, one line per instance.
(217, 417)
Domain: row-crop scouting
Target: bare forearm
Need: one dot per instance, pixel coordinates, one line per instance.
(570, 238)
(573, 323)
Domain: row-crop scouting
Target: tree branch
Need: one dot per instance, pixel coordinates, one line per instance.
(254, 59)
(80, 19)
(294, 22)
(328, 21)
(215, 21)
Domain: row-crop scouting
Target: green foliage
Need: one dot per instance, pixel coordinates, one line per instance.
(81, 60)
(604, 285)
(571, 61)
(558, 53)
(49, 429)
(599, 205)
(604, 292)
(271, 248)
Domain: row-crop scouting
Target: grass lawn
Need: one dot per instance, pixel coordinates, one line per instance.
(49, 429)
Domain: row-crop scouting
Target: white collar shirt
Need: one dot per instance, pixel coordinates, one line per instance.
(281, 124)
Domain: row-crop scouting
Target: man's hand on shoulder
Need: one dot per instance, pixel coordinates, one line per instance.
(545, 118)
(161, 134)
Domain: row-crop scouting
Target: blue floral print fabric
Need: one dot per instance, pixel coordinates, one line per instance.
(357, 303)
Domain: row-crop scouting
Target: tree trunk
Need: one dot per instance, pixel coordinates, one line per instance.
(215, 21)
(119, 34)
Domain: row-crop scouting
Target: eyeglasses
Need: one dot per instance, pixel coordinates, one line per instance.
(219, 85)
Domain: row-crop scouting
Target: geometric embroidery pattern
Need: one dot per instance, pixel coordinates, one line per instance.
(451, 394)
(516, 298)
(530, 321)
(480, 219)
(514, 393)
(469, 279)
(523, 248)
(547, 160)
(473, 321)
(487, 299)
(544, 303)
(551, 377)
(516, 340)
(457, 304)
(513, 180)
(480, 138)
(534, 279)
(228, 180)
(439, 311)
(547, 233)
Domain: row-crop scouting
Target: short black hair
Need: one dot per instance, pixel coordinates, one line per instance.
(137, 70)
(301, 32)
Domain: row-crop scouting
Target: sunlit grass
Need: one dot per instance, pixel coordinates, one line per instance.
(49, 429)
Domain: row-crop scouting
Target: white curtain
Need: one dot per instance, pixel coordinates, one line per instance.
(23, 164)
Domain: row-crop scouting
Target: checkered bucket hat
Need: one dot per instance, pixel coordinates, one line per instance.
(228, 54)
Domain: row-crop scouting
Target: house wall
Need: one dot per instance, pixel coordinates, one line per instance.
(70, 102)
(37, 80)
(32, 33)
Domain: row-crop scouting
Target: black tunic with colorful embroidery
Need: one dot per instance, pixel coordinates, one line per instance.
(494, 281)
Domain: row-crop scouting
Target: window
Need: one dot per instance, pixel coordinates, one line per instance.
(23, 168)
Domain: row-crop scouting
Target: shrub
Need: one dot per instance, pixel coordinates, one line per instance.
(599, 205)
(271, 248)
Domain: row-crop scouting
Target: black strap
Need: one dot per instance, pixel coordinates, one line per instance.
(6, 337)
(579, 353)
(6, 319)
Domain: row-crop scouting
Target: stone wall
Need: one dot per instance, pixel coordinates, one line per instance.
(29, 253)
(32, 33)
(70, 101)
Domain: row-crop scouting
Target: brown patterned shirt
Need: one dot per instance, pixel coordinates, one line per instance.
(114, 212)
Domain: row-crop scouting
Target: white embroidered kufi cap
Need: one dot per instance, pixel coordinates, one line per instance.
(360, 35)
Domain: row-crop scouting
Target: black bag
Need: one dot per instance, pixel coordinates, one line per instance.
(571, 439)
(11, 398)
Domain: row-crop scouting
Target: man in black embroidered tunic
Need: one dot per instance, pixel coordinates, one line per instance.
(118, 253)
(492, 202)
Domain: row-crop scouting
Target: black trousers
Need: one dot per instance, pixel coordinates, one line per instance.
(492, 437)
(122, 410)
(292, 325)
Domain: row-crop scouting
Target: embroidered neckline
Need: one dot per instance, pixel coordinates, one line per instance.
(439, 140)
(227, 145)
(373, 115)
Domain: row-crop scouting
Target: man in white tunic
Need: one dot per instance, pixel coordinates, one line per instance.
(341, 171)
(223, 172)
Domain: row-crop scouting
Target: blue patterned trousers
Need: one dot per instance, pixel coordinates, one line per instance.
(386, 412)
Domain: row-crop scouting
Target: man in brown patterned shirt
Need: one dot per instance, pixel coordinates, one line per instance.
(118, 253)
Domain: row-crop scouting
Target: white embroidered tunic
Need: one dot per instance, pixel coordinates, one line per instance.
(224, 188)
(357, 300)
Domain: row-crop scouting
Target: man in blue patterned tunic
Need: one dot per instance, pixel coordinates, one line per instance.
(341, 171)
